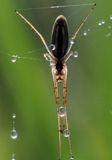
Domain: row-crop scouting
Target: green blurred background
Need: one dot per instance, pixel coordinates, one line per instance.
(26, 86)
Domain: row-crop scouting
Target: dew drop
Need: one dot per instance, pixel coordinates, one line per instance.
(66, 133)
(85, 33)
(13, 115)
(62, 111)
(111, 17)
(72, 158)
(14, 58)
(101, 22)
(14, 134)
(76, 54)
(52, 47)
(72, 42)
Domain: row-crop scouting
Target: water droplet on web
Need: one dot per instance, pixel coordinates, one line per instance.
(52, 47)
(62, 111)
(13, 115)
(101, 22)
(14, 134)
(85, 33)
(72, 42)
(66, 133)
(13, 58)
(76, 54)
(111, 17)
(72, 158)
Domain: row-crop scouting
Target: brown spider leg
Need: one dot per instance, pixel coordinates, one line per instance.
(36, 31)
(56, 92)
(65, 104)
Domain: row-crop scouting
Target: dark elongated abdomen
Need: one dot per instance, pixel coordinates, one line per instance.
(60, 37)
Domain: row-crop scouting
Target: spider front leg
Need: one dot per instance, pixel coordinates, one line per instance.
(56, 92)
(74, 36)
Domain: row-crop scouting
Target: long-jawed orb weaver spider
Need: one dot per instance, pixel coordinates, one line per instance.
(58, 55)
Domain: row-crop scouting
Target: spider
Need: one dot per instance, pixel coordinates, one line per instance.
(57, 56)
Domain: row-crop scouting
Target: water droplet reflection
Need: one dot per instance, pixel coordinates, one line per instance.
(13, 58)
(101, 22)
(71, 42)
(76, 54)
(66, 133)
(111, 17)
(72, 158)
(14, 134)
(62, 111)
(13, 115)
(85, 33)
(52, 47)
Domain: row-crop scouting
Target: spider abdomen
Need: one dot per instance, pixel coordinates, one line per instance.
(60, 37)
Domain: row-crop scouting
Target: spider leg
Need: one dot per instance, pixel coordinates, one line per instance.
(83, 22)
(68, 56)
(72, 40)
(36, 31)
(65, 104)
(56, 92)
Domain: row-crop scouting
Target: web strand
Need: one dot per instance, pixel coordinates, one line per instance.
(55, 7)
